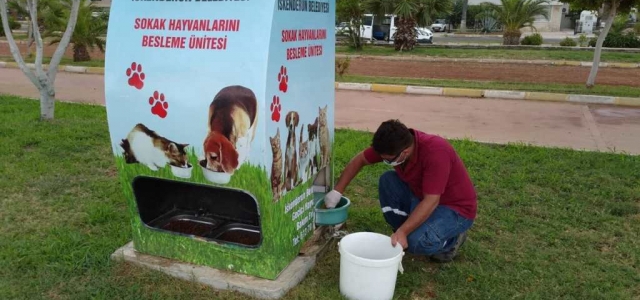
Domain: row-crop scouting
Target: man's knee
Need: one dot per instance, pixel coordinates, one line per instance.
(426, 243)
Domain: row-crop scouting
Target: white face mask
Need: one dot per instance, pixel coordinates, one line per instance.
(394, 163)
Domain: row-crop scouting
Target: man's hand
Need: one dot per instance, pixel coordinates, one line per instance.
(399, 237)
(332, 198)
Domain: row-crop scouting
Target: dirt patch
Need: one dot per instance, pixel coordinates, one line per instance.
(491, 72)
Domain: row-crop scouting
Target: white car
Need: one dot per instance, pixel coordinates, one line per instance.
(440, 25)
(342, 28)
(424, 35)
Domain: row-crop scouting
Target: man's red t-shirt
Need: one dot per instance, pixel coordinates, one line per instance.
(435, 168)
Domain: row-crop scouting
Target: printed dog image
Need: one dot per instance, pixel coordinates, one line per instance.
(291, 155)
(145, 146)
(233, 116)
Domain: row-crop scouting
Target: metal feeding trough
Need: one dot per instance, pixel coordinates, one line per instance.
(221, 120)
(195, 210)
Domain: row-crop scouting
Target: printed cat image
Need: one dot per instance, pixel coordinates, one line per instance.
(314, 146)
(304, 158)
(323, 132)
(128, 155)
(277, 183)
(145, 146)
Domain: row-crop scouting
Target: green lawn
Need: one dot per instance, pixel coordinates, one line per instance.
(568, 54)
(599, 89)
(552, 223)
(64, 61)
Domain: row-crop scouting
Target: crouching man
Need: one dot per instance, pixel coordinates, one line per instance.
(428, 199)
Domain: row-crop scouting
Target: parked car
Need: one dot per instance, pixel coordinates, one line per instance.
(387, 29)
(424, 35)
(342, 28)
(440, 25)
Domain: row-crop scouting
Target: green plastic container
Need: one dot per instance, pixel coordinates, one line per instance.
(332, 216)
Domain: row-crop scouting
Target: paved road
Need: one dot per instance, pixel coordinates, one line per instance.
(603, 128)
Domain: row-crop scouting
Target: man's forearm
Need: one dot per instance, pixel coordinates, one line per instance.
(349, 172)
(420, 214)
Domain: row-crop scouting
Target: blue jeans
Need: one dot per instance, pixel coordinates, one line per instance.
(438, 234)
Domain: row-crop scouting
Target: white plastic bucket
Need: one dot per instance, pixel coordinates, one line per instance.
(369, 266)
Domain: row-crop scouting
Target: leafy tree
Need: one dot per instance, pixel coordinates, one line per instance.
(43, 81)
(351, 11)
(463, 22)
(47, 9)
(517, 14)
(13, 25)
(611, 9)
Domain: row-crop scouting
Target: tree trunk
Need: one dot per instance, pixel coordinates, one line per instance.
(591, 81)
(47, 104)
(463, 22)
(29, 38)
(511, 37)
(354, 35)
(405, 36)
(80, 53)
(43, 81)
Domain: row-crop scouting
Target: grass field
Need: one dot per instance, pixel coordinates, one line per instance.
(64, 61)
(552, 223)
(605, 90)
(571, 55)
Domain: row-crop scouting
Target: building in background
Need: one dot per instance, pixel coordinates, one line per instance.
(558, 18)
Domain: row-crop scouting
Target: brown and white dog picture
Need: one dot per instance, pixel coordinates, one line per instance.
(291, 155)
(232, 124)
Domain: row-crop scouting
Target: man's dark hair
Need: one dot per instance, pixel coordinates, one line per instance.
(391, 137)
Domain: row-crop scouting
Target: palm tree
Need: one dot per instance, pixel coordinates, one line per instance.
(517, 14)
(87, 34)
(410, 13)
(463, 22)
(47, 10)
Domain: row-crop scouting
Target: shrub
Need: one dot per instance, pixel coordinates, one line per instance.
(583, 40)
(568, 42)
(342, 65)
(13, 25)
(619, 40)
(532, 40)
(637, 28)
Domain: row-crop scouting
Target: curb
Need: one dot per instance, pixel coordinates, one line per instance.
(426, 90)
(495, 61)
(489, 94)
(456, 92)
